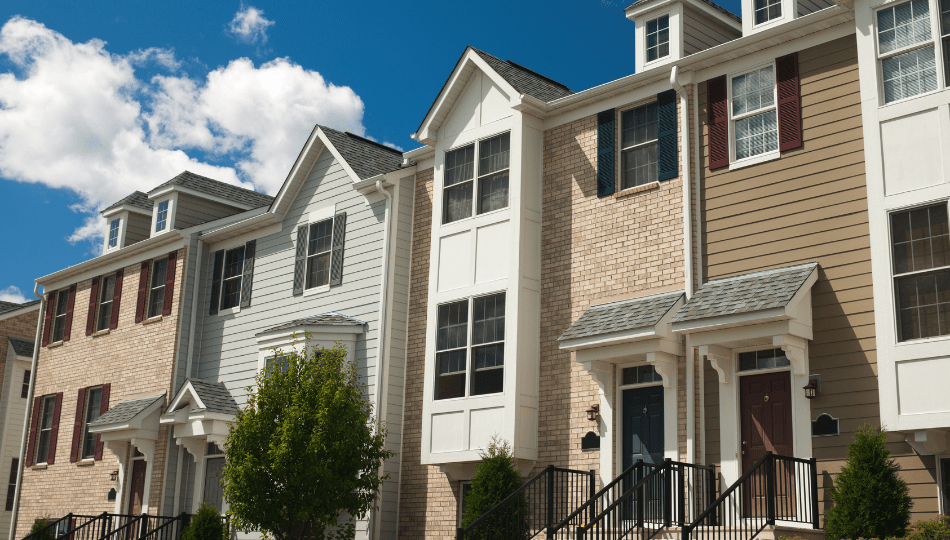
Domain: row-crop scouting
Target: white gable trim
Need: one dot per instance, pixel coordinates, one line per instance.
(187, 391)
(298, 173)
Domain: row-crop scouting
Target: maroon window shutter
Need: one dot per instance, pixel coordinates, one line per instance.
(103, 407)
(54, 433)
(116, 298)
(169, 283)
(143, 292)
(717, 122)
(789, 103)
(34, 418)
(77, 427)
(91, 319)
(69, 312)
(48, 321)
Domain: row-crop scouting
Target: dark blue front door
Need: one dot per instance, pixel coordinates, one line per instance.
(643, 425)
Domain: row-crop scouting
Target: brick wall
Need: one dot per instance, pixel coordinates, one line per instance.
(137, 360)
(23, 327)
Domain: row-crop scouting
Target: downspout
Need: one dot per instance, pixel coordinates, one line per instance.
(697, 163)
(29, 409)
(194, 311)
(381, 333)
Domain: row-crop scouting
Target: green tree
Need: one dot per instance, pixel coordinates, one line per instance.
(870, 498)
(305, 453)
(205, 525)
(495, 479)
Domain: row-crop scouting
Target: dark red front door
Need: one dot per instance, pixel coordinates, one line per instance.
(137, 487)
(765, 408)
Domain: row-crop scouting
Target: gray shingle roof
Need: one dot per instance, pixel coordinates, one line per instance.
(620, 316)
(215, 396)
(746, 293)
(126, 410)
(332, 319)
(216, 188)
(710, 3)
(22, 347)
(524, 80)
(137, 199)
(365, 157)
(13, 306)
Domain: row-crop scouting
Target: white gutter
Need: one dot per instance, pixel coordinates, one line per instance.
(29, 409)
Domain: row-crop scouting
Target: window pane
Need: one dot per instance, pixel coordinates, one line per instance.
(450, 377)
(488, 381)
(93, 404)
(158, 272)
(62, 301)
(231, 291)
(156, 296)
(25, 390)
(488, 315)
(320, 237)
(658, 38)
(234, 263)
(318, 270)
(909, 74)
(107, 290)
(452, 326)
(459, 165)
(756, 135)
(638, 125)
(493, 192)
(753, 91)
(639, 166)
(920, 239)
(747, 361)
(923, 302)
(114, 233)
(903, 25)
(162, 216)
(493, 154)
(458, 202)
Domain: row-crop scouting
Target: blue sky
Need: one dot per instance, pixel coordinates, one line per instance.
(98, 99)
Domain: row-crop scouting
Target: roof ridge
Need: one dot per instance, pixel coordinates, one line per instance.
(222, 182)
(767, 271)
(374, 143)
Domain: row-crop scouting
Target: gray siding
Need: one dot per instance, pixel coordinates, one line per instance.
(810, 6)
(137, 229)
(193, 211)
(701, 32)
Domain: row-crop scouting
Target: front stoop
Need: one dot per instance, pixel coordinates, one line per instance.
(774, 533)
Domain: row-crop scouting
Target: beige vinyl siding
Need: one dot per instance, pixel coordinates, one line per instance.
(701, 32)
(810, 6)
(137, 229)
(811, 205)
(192, 210)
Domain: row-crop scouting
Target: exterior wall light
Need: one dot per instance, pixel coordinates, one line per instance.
(114, 476)
(593, 412)
(811, 389)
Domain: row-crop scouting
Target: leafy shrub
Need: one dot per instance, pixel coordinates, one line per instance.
(495, 479)
(934, 529)
(39, 525)
(205, 525)
(870, 498)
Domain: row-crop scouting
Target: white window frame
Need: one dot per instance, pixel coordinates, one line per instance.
(935, 40)
(669, 38)
(100, 302)
(476, 178)
(161, 215)
(114, 227)
(314, 217)
(767, 22)
(153, 290)
(85, 424)
(240, 279)
(469, 358)
(623, 149)
(59, 317)
(759, 158)
(48, 400)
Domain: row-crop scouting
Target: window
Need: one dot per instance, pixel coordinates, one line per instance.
(162, 217)
(231, 280)
(156, 290)
(492, 178)
(767, 359)
(921, 251)
(754, 115)
(945, 36)
(277, 362)
(658, 38)
(906, 50)
(45, 428)
(638, 142)
(487, 347)
(318, 253)
(59, 316)
(11, 484)
(114, 233)
(25, 390)
(92, 408)
(640, 375)
(104, 309)
(944, 484)
(767, 10)
(464, 490)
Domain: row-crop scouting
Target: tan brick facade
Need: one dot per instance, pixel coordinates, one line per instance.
(23, 327)
(136, 359)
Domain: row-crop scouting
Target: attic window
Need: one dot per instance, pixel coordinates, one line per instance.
(767, 10)
(658, 37)
(114, 233)
(162, 217)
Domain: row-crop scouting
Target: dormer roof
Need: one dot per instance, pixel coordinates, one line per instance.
(245, 198)
(136, 200)
(710, 3)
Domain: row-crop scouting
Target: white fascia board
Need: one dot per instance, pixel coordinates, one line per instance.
(638, 10)
(187, 390)
(252, 228)
(125, 208)
(285, 335)
(423, 152)
(19, 311)
(195, 193)
(113, 260)
(203, 415)
(602, 340)
(630, 351)
(298, 173)
(730, 321)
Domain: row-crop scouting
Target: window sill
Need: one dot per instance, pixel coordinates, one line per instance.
(922, 341)
(316, 290)
(638, 189)
(755, 160)
(476, 216)
(88, 462)
(101, 332)
(229, 311)
(54, 345)
(38, 467)
(153, 320)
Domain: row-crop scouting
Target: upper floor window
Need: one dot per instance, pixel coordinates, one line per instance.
(59, 315)
(114, 233)
(45, 428)
(104, 307)
(906, 50)
(93, 407)
(156, 290)
(638, 143)
(491, 178)
(920, 240)
(658, 38)
(486, 347)
(161, 217)
(318, 253)
(753, 113)
(11, 483)
(25, 389)
(767, 10)
(231, 280)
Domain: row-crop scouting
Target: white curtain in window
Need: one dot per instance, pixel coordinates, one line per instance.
(756, 135)
(903, 25)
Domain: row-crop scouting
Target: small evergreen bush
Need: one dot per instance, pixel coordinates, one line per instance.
(495, 479)
(207, 524)
(870, 498)
(39, 525)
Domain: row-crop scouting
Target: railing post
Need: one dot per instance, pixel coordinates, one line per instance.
(683, 495)
(590, 499)
(668, 492)
(143, 525)
(580, 532)
(550, 521)
(770, 488)
(641, 505)
(711, 491)
(460, 534)
(814, 493)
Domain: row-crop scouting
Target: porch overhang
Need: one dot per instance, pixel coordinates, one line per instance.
(132, 421)
(200, 412)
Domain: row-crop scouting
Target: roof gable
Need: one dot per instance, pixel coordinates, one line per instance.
(204, 396)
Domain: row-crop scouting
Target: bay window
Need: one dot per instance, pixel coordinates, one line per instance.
(920, 241)
(459, 183)
(470, 328)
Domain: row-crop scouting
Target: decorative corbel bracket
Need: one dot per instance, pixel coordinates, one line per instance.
(928, 442)
(720, 359)
(794, 348)
(146, 446)
(601, 372)
(665, 364)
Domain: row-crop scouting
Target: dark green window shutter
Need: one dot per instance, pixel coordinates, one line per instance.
(249, 248)
(336, 255)
(667, 157)
(216, 270)
(301, 261)
(605, 153)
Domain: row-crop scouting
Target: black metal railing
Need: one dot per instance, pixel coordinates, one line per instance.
(585, 513)
(775, 488)
(536, 506)
(108, 526)
(653, 497)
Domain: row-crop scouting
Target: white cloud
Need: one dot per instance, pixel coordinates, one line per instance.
(75, 116)
(13, 294)
(249, 25)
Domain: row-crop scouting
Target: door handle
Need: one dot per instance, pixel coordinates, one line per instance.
(743, 452)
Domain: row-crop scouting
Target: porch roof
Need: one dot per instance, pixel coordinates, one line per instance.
(622, 316)
(214, 396)
(124, 411)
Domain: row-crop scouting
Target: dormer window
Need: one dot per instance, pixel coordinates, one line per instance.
(658, 38)
(161, 218)
(114, 233)
(767, 10)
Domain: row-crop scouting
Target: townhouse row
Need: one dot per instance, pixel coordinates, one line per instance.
(740, 248)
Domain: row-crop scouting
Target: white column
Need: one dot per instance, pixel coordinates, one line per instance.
(196, 447)
(147, 447)
(665, 364)
(721, 360)
(119, 449)
(602, 373)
